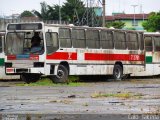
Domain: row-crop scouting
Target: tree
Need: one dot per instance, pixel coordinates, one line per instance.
(116, 24)
(53, 12)
(48, 12)
(153, 23)
(26, 13)
(73, 10)
(44, 11)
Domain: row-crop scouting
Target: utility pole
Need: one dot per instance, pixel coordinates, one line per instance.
(134, 21)
(103, 19)
(59, 12)
(87, 13)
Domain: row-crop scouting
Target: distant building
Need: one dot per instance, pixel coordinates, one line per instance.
(15, 16)
(130, 21)
(30, 18)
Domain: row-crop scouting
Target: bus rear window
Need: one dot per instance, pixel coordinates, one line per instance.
(24, 43)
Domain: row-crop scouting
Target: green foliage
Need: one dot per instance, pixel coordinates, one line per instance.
(126, 95)
(71, 11)
(26, 13)
(130, 28)
(153, 23)
(44, 11)
(116, 24)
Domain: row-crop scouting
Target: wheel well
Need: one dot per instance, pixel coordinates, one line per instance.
(64, 63)
(119, 63)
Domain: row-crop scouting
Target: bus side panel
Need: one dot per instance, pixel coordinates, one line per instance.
(91, 69)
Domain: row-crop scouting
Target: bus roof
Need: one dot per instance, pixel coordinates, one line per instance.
(87, 27)
(151, 34)
(14, 26)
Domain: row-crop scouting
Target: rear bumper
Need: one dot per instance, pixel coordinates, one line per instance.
(11, 70)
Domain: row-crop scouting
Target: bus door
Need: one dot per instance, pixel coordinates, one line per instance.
(156, 52)
(1, 51)
(156, 55)
(149, 55)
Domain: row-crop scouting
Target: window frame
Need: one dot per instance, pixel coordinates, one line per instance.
(65, 38)
(73, 39)
(115, 40)
(130, 41)
(52, 44)
(106, 40)
(91, 39)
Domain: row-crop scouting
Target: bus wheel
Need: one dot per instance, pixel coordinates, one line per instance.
(25, 78)
(28, 78)
(117, 72)
(62, 75)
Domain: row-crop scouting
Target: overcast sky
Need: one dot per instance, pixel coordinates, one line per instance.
(7, 7)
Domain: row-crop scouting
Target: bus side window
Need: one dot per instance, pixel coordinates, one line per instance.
(120, 40)
(148, 44)
(1, 38)
(92, 39)
(132, 41)
(106, 39)
(51, 42)
(65, 38)
(78, 38)
(157, 43)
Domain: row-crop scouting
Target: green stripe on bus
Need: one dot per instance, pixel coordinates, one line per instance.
(1, 61)
(148, 59)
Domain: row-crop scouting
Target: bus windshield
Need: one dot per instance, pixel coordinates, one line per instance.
(24, 43)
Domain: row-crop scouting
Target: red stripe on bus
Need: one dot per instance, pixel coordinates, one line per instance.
(110, 57)
(62, 56)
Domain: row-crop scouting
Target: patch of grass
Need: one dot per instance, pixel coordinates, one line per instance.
(118, 95)
(48, 82)
(85, 104)
(73, 78)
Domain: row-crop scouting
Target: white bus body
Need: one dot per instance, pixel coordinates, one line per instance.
(69, 50)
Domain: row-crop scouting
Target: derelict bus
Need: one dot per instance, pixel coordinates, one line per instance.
(72, 50)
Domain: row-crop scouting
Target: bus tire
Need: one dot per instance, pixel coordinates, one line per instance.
(25, 78)
(62, 75)
(28, 78)
(117, 72)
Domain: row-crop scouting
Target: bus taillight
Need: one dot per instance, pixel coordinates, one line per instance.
(9, 70)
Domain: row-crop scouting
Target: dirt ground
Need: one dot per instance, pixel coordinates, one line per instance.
(132, 96)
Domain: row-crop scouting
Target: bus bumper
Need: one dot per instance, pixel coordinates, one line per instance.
(37, 70)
